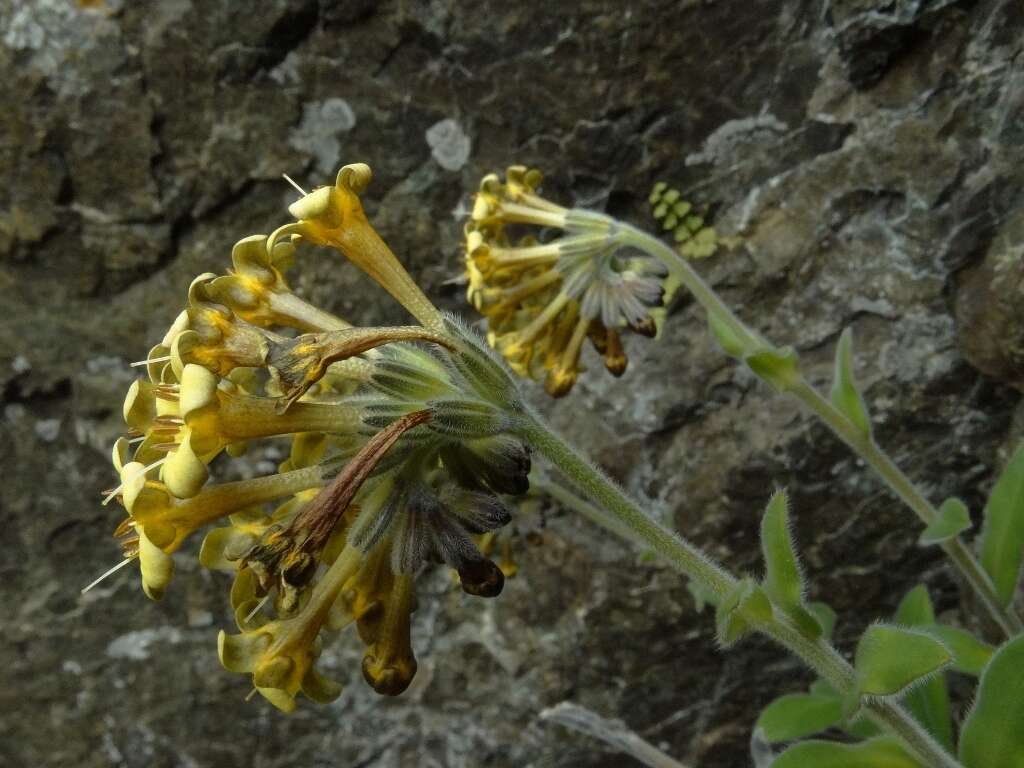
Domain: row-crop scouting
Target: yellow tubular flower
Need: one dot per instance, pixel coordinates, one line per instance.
(205, 417)
(280, 655)
(257, 292)
(401, 443)
(213, 336)
(161, 523)
(542, 300)
(334, 217)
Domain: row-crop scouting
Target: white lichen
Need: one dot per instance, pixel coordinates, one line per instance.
(135, 645)
(318, 133)
(722, 146)
(48, 430)
(449, 144)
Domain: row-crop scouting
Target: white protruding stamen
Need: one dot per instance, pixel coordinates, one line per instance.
(139, 363)
(138, 439)
(256, 610)
(252, 693)
(143, 471)
(115, 569)
(291, 181)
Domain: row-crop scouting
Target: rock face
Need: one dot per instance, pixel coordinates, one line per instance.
(868, 153)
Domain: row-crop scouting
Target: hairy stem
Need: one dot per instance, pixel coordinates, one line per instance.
(901, 485)
(632, 520)
(636, 525)
(962, 557)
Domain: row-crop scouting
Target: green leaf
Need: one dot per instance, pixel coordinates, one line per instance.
(970, 655)
(915, 608)
(877, 753)
(823, 688)
(1002, 534)
(952, 520)
(741, 610)
(783, 579)
(796, 715)
(993, 734)
(805, 621)
(824, 615)
(845, 395)
(779, 367)
(890, 659)
(928, 702)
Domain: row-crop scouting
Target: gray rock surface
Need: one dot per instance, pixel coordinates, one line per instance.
(868, 153)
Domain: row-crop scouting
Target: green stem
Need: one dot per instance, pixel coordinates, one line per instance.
(865, 447)
(638, 526)
(631, 519)
(962, 558)
(571, 501)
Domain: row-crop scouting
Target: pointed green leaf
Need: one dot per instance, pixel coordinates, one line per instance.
(805, 621)
(861, 727)
(952, 520)
(890, 659)
(796, 715)
(1002, 534)
(928, 702)
(993, 734)
(778, 367)
(741, 610)
(845, 395)
(915, 608)
(877, 753)
(970, 655)
(783, 579)
(824, 615)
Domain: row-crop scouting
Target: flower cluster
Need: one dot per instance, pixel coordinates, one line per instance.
(400, 452)
(543, 297)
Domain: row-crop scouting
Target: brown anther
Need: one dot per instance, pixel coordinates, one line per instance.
(130, 550)
(615, 356)
(558, 382)
(389, 680)
(534, 538)
(646, 327)
(598, 335)
(481, 578)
